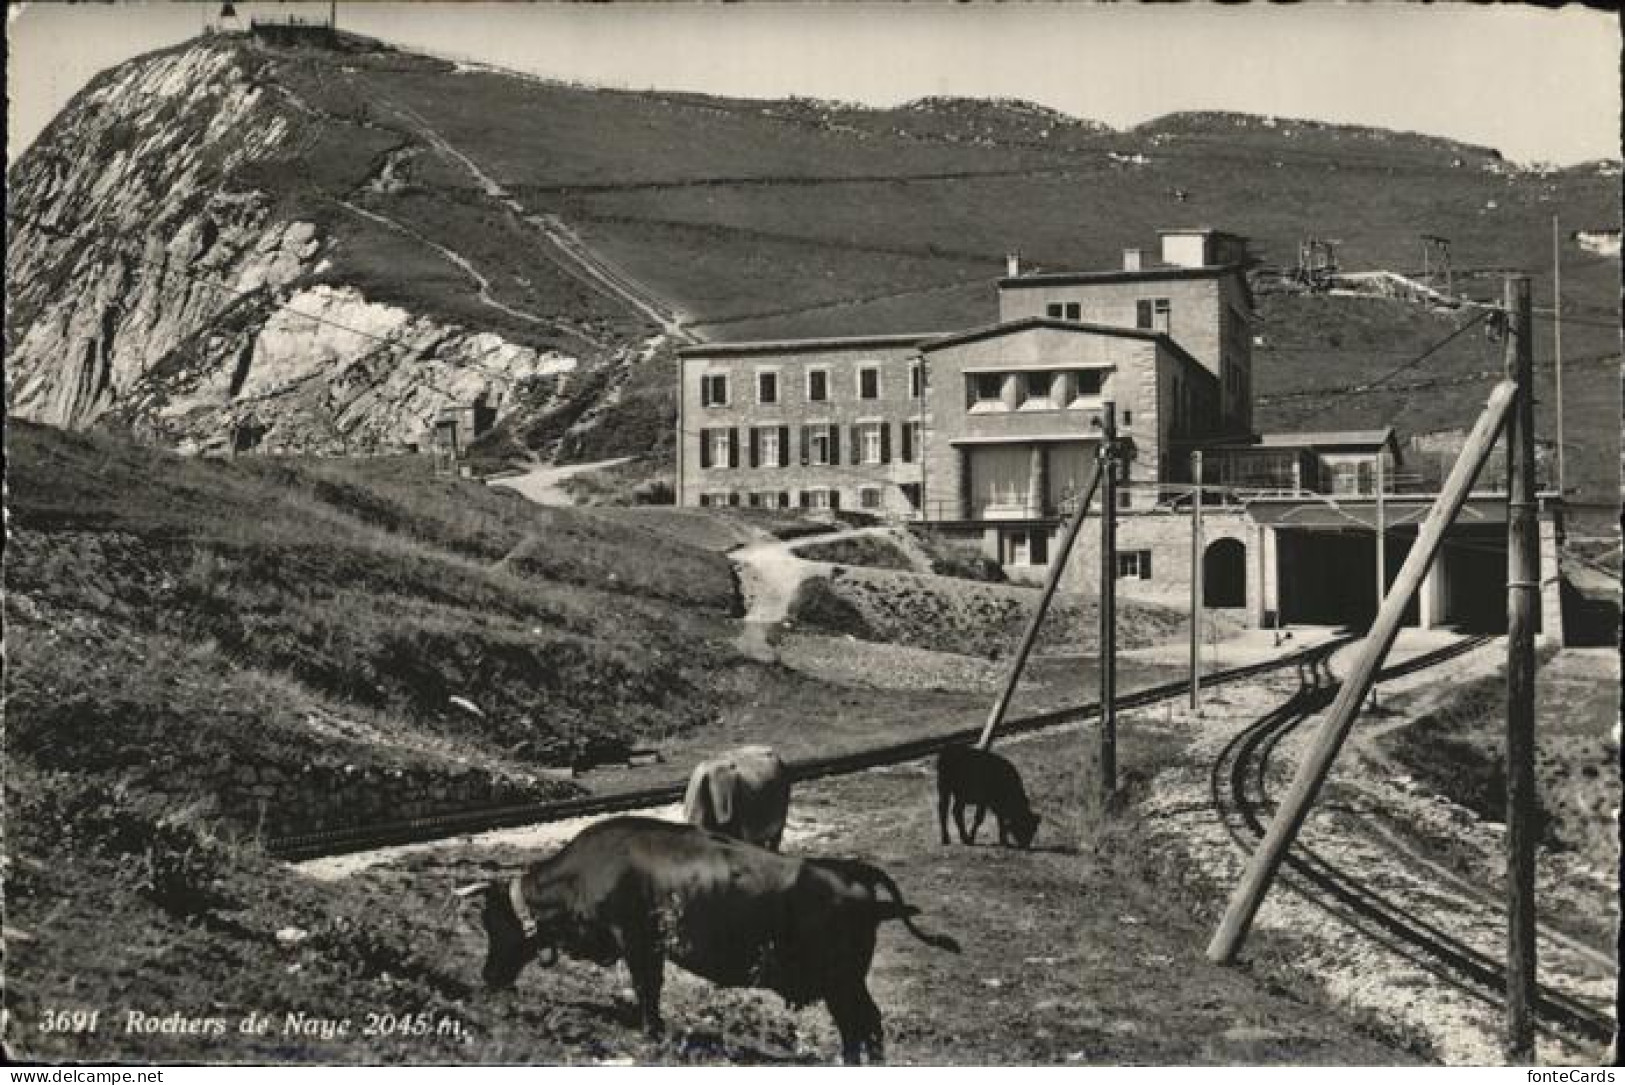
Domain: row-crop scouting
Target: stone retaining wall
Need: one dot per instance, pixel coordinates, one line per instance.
(286, 801)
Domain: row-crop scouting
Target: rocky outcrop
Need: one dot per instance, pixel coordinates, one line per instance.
(151, 282)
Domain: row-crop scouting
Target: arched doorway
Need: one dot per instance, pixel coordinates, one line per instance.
(1224, 574)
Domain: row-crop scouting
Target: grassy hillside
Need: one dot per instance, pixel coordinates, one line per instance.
(168, 618)
(761, 219)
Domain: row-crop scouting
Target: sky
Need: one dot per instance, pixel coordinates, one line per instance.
(1538, 84)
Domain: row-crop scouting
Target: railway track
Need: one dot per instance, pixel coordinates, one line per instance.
(340, 841)
(1239, 782)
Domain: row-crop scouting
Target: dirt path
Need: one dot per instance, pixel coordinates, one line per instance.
(543, 485)
(578, 258)
(770, 574)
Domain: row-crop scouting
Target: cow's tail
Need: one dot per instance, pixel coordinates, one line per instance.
(695, 800)
(897, 908)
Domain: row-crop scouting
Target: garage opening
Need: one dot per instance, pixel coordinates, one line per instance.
(1224, 574)
(1329, 578)
(1474, 579)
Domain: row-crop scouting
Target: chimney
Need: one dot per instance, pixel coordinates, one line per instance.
(1133, 259)
(1012, 264)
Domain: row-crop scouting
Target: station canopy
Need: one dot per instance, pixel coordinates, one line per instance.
(1329, 512)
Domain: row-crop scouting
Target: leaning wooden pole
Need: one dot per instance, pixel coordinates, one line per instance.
(1523, 612)
(1030, 637)
(1294, 808)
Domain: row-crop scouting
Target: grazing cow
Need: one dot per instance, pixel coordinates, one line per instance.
(641, 890)
(967, 775)
(744, 793)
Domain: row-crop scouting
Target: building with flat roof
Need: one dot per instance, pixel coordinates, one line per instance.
(989, 435)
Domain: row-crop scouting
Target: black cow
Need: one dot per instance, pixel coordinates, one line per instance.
(967, 775)
(641, 890)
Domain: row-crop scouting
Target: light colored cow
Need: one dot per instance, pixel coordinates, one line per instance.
(744, 793)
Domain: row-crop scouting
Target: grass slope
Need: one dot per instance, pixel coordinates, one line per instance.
(762, 219)
(212, 610)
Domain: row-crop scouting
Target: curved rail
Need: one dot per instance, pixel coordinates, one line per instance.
(338, 841)
(1239, 784)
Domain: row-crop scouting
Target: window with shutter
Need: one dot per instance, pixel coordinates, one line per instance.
(784, 446)
(885, 442)
(733, 447)
(834, 444)
(705, 449)
(857, 445)
(755, 448)
(868, 383)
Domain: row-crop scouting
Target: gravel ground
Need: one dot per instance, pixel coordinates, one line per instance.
(1355, 829)
(1067, 959)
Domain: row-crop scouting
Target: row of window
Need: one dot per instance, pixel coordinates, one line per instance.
(1031, 547)
(819, 445)
(814, 497)
(1036, 390)
(1150, 314)
(714, 387)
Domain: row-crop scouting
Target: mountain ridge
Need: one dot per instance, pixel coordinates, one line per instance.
(546, 245)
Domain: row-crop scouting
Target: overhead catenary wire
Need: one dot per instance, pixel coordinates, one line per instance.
(1376, 382)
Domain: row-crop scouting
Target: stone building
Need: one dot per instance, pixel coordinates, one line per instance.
(1196, 295)
(810, 423)
(987, 437)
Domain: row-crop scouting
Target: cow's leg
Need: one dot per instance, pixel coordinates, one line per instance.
(857, 1019)
(976, 825)
(869, 1025)
(648, 969)
(943, 798)
(1004, 835)
(847, 1011)
(959, 820)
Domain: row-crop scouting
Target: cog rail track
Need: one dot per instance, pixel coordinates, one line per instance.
(1240, 787)
(341, 841)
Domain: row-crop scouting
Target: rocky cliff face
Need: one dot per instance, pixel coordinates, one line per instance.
(151, 282)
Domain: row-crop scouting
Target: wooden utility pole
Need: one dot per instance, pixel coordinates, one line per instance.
(1030, 637)
(1382, 538)
(1523, 611)
(1108, 604)
(1317, 762)
(1196, 582)
(1557, 349)
(1382, 559)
